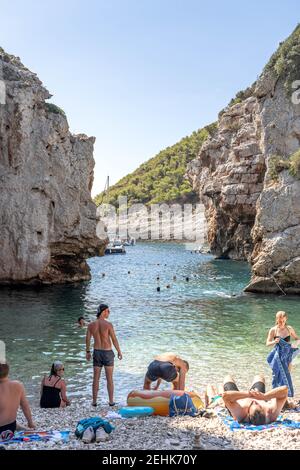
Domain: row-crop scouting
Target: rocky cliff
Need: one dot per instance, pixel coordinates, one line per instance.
(248, 176)
(47, 218)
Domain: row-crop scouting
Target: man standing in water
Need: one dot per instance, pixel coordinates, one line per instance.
(12, 396)
(104, 336)
(168, 367)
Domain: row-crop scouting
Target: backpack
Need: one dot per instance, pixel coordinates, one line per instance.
(182, 406)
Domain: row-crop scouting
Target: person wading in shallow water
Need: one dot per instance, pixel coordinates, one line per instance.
(81, 322)
(104, 336)
(168, 367)
(12, 396)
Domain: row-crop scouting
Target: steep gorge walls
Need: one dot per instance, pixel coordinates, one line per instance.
(248, 176)
(47, 218)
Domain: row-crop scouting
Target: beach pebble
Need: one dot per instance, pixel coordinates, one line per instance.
(156, 432)
(174, 443)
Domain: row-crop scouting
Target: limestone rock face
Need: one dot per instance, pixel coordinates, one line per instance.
(276, 233)
(229, 174)
(47, 218)
(251, 214)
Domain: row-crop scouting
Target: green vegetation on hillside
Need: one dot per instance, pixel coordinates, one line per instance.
(52, 108)
(285, 62)
(161, 179)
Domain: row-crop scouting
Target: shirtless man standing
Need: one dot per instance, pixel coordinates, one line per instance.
(12, 396)
(104, 336)
(255, 406)
(168, 367)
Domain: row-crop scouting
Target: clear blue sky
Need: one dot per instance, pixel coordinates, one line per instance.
(141, 74)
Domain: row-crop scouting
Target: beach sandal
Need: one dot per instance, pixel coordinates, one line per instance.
(112, 404)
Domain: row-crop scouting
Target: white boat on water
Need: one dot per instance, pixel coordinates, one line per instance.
(129, 242)
(115, 248)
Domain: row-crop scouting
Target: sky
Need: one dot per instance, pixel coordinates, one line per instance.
(141, 74)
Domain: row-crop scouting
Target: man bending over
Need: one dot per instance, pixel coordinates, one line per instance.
(168, 367)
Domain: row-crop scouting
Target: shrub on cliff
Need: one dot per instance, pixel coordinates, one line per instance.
(52, 108)
(295, 164)
(278, 164)
(285, 62)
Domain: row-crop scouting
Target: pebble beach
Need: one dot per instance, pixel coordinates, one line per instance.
(156, 432)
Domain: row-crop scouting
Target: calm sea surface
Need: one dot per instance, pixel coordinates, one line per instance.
(208, 320)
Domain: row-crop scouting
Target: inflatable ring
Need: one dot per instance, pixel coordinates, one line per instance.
(159, 399)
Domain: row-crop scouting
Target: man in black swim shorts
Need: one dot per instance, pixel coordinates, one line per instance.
(103, 333)
(255, 406)
(168, 367)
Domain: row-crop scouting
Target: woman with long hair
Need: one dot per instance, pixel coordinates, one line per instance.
(283, 352)
(53, 388)
(281, 330)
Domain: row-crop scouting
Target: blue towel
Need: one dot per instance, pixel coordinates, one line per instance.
(279, 359)
(30, 436)
(279, 423)
(95, 423)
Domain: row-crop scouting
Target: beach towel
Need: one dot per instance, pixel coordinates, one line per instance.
(95, 423)
(30, 436)
(233, 425)
(279, 359)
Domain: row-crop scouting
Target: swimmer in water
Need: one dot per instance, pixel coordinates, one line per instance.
(81, 322)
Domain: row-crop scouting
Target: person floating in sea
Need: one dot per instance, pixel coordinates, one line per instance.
(168, 367)
(255, 406)
(103, 356)
(280, 358)
(81, 322)
(12, 396)
(54, 389)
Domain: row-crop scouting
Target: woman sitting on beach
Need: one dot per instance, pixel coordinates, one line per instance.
(281, 331)
(53, 388)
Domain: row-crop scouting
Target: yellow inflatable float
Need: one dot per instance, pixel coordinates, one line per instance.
(159, 399)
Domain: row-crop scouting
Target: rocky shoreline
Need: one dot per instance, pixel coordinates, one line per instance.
(157, 433)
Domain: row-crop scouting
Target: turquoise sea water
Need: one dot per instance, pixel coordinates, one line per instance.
(208, 320)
